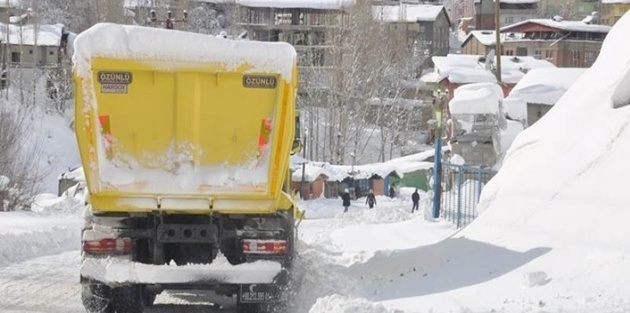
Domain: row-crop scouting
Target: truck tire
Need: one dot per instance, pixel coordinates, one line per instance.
(128, 299)
(98, 298)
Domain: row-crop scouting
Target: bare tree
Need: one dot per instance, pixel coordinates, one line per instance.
(568, 10)
(368, 59)
(18, 158)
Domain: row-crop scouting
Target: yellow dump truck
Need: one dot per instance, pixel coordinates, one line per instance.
(185, 140)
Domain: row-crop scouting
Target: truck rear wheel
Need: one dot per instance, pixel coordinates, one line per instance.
(98, 298)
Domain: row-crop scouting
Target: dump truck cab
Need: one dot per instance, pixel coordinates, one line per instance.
(185, 142)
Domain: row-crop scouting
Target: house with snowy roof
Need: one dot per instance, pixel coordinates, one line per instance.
(564, 43)
(37, 45)
(429, 24)
(455, 70)
(538, 91)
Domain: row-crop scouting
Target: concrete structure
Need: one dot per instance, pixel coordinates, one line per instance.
(510, 11)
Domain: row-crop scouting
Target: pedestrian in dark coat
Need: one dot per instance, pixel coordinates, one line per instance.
(415, 198)
(371, 200)
(392, 192)
(345, 197)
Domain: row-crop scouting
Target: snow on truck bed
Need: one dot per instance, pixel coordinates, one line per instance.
(153, 44)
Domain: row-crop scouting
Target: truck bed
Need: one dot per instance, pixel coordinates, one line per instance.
(183, 132)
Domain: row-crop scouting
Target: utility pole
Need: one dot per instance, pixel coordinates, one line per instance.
(497, 28)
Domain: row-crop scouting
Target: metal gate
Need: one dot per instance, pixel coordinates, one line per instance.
(461, 188)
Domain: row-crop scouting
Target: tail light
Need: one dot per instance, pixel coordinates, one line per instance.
(108, 246)
(254, 246)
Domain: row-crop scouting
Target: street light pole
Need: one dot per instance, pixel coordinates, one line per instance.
(437, 159)
(497, 29)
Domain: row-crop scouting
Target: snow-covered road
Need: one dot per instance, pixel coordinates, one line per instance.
(50, 284)
(46, 284)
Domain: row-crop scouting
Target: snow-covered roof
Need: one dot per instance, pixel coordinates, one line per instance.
(546, 85)
(410, 12)
(485, 37)
(513, 1)
(310, 4)
(466, 68)
(307, 4)
(481, 98)
(398, 167)
(155, 44)
(573, 26)
(515, 108)
(42, 35)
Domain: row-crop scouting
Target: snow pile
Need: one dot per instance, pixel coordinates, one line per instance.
(26, 235)
(333, 244)
(552, 233)
(545, 85)
(344, 304)
(71, 203)
(20, 247)
(163, 45)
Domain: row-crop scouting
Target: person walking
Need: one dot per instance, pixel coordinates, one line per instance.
(415, 198)
(392, 192)
(370, 199)
(345, 197)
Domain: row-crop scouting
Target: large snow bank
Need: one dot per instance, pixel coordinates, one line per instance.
(552, 234)
(154, 44)
(26, 235)
(345, 304)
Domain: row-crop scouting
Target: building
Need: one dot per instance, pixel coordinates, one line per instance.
(461, 9)
(455, 70)
(563, 43)
(613, 10)
(429, 24)
(308, 26)
(480, 42)
(539, 90)
(510, 11)
(31, 46)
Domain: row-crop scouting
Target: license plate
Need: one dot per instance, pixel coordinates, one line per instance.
(259, 293)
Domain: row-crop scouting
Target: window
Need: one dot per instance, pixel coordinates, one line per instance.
(15, 57)
(537, 54)
(589, 58)
(509, 52)
(509, 20)
(30, 51)
(548, 54)
(575, 62)
(520, 51)
(51, 52)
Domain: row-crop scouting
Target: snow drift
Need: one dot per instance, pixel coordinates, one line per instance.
(561, 188)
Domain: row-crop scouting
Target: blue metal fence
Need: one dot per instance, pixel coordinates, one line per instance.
(461, 189)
